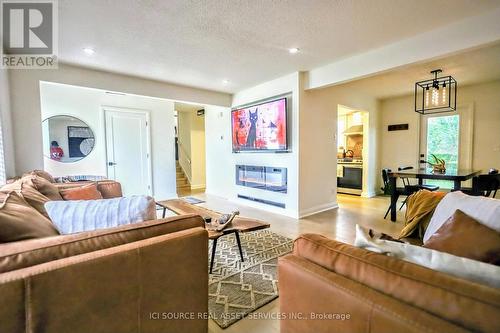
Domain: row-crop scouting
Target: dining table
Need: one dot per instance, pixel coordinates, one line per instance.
(457, 176)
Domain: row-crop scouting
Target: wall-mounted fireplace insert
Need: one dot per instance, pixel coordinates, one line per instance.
(261, 177)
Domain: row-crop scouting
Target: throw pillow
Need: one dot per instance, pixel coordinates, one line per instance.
(485, 210)
(87, 215)
(86, 192)
(440, 261)
(463, 236)
(41, 173)
(36, 199)
(19, 221)
(38, 183)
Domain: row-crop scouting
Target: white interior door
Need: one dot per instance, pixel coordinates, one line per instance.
(128, 150)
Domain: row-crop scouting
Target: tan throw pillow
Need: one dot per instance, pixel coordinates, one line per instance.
(41, 173)
(463, 236)
(43, 186)
(32, 196)
(36, 199)
(86, 192)
(19, 221)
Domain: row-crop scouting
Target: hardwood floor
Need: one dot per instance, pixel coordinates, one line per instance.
(337, 224)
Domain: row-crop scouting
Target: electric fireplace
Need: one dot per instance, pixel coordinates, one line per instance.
(261, 177)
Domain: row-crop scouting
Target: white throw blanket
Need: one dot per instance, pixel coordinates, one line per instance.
(87, 215)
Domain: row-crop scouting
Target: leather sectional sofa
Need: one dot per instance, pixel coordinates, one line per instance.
(329, 286)
(145, 277)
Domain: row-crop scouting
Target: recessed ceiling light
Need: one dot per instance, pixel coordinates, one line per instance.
(225, 82)
(89, 51)
(293, 50)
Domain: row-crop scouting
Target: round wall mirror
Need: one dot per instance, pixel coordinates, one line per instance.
(66, 139)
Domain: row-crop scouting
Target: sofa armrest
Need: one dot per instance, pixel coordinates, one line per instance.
(126, 288)
(314, 299)
(36, 251)
(460, 301)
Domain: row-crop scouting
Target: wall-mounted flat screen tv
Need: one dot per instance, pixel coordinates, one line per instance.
(260, 127)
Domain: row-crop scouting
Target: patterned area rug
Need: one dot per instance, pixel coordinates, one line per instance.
(238, 288)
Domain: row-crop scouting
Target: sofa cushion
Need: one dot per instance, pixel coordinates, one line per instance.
(463, 236)
(18, 220)
(485, 210)
(41, 173)
(86, 192)
(28, 253)
(87, 215)
(109, 189)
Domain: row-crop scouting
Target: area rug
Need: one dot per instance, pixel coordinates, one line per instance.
(238, 288)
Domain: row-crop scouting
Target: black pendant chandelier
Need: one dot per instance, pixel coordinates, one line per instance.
(436, 95)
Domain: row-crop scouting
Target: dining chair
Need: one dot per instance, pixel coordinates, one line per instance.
(485, 185)
(412, 188)
(388, 190)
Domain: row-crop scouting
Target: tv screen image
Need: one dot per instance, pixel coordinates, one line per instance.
(260, 127)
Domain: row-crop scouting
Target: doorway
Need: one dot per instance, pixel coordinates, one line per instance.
(190, 149)
(128, 149)
(352, 144)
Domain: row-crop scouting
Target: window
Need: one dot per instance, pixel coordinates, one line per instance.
(443, 140)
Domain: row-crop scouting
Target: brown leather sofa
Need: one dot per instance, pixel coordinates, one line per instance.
(145, 277)
(329, 286)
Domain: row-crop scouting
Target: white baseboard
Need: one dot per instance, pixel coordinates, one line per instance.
(368, 194)
(318, 209)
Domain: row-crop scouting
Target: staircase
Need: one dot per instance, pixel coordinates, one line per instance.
(182, 181)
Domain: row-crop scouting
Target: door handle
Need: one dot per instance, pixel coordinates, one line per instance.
(111, 163)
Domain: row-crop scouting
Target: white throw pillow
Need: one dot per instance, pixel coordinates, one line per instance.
(484, 210)
(440, 261)
(86, 215)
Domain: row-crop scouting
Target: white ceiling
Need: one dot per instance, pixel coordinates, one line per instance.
(475, 66)
(201, 42)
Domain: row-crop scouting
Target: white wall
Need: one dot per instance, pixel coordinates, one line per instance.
(5, 118)
(198, 153)
(221, 161)
(25, 101)
(86, 104)
(318, 148)
(402, 147)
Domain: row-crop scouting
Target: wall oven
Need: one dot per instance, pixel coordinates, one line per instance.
(350, 177)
